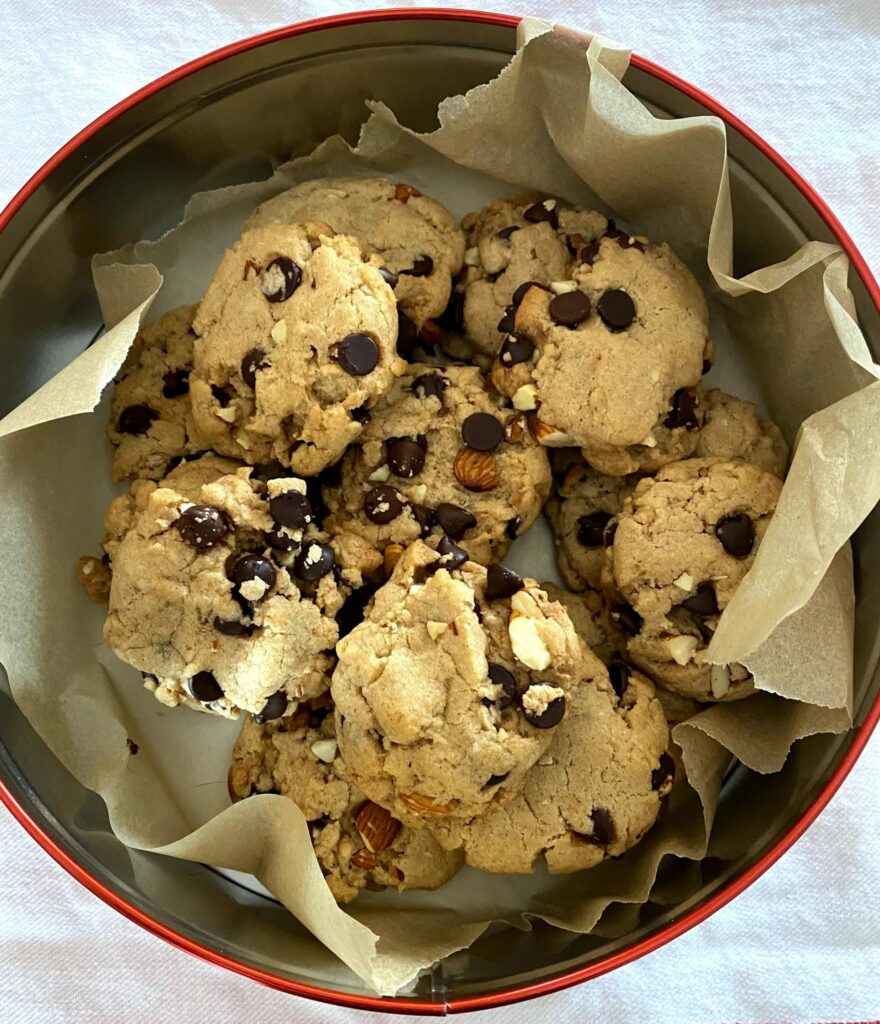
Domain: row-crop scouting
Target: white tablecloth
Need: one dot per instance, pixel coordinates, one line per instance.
(803, 944)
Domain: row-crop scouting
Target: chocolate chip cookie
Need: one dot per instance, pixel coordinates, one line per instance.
(151, 422)
(358, 843)
(732, 429)
(439, 456)
(297, 340)
(595, 791)
(415, 237)
(684, 541)
(222, 594)
(452, 687)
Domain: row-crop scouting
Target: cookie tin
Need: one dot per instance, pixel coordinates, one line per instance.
(127, 175)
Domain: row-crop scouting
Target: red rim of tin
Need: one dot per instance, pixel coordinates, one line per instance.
(674, 929)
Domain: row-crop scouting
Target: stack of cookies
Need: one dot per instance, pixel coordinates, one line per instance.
(330, 456)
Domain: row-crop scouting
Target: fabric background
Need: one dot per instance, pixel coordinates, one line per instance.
(803, 943)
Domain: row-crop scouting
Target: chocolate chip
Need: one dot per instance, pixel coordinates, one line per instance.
(507, 323)
(703, 602)
(736, 533)
(382, 504)
(422, 267)
(522, 291)
(291, 509)
(202, 526)
(388, 276)
(664, 773)
(314, 561)
(551, 715)
(280, 541)
(204, 687)
(357, 354)
(591, 529)
(624, 240)
(495, 780)
(627, 618)
(231, 627)
(136, 419)
(451, 555)
(543, 210)
(517, 348)
(616, 309)
(429, 385)
(274, 708)
(452, 318)
(603, 827)
(504, 678)
(223, 396)
(502, 582)
(589, 253)
(247, 568)
(684, 410)
(406, 458)
(570, 308)
(175, 383)
(512, 528)
(505, 233)
(253, 361)
(424, 516)
(619, 673)
(455, 520)
(407, 333)
(280, 279)
(482, 431)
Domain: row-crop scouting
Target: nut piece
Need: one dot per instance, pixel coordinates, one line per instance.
(526, 642)
(719, 680)
(227, 414)
(476, 470)
(523, 602)
(364, 859)
(325, 750)
(426, 805)
(403, 192)
(681, 648)
(94, 577)
(392, 557)
(376, 826)
(649, 441)
(436, 629)
(279, 332)
(547, 435)
(526, 398)
(684, 582)
(380, 474)
(515, 431)
(472, 256)
(561, 287)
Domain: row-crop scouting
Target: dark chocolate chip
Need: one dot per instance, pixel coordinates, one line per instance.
(507, 323)
(512, 528)
(248, 567)
(388, 276)
(504, 678)
(231, 627)
(627, 618)
(455, 520)
(280, 279)
(223, 396)
(424, 516)
(422, 267)
(624, 240)
(589, 253)
(204, 687)
(591, 529)
(502, 582)
(542, 210)
(452, 318)
(551, 715)
(314, 561)
(429, 385)
(357, 354)
(619, 673)
(522, 290)
(407, 333)
(451, 555)
(703, 602)
(482, 431)
(570, 308)
(664, 773)
(495, 780)
(202, 526)
(406, 458)
(274, 708)
(505, 233)
(136, 419)
(175, 383)
(684, 410)
(616, 309)
(291, 509)
(382, 504)
(253, 361)
(603, 827)
(736, 533)
(517, 348)
(280, 541)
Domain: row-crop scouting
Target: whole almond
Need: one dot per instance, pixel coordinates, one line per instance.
(403, 192)
(376, 826)
(426, 805)
(475, 470)
(364, 859)
(392, 557)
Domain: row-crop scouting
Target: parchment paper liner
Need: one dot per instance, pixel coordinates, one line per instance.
(557, 119)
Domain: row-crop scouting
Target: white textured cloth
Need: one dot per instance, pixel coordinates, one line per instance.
(803, 943)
